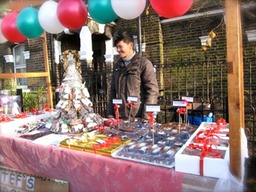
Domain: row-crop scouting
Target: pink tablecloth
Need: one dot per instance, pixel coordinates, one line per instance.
(85, 171)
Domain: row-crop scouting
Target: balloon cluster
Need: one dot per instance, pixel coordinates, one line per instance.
(53, 17)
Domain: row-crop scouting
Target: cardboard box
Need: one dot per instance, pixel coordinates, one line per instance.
(212, 167)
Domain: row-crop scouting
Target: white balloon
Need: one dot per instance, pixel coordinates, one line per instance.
(48, 19)
(2, 38)
(128, 9)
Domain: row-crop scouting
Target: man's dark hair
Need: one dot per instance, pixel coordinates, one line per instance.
(122, 35)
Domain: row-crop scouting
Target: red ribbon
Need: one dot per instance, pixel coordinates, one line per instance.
(206, 150)
(181, 110)
(100, 128)
(4, 118)
(35, 111)
(202, 136)
(130, 104)
(107, 143)
(151, 120)
(21, 115)
(221, 122)
(116, 107)
(47, 107)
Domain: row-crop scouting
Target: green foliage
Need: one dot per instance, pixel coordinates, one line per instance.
(32, 99)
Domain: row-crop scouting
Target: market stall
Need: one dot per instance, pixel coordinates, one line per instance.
(93, 171)
(86, 171)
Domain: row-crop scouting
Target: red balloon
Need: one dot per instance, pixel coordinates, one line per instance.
(72, 14)
(171, 8)
(10, 30)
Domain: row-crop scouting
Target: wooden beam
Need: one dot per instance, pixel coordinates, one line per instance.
(22, 75)
(18, 5)
(47, 70)
(235, 83)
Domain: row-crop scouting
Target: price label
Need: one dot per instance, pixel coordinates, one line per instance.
(179, 103)
(188, 99)
(117, 101)
(153, 108)
(132, 99)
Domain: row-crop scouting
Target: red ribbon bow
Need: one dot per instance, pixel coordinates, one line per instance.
(35, 111)
(47, 107)
(100, 128)
(21, 115)
(130, 104)
(151, 119)
(181, 110)
(116, 107)
(4, 118)
(107, 143)
(221, 122)
(206, 150)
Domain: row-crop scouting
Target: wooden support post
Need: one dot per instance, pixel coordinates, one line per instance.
(46, 62)
(235, 83)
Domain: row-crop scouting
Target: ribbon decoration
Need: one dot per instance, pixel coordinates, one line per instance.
(110, 122)
(116, 107)
(100, 128)
(47, 107)
(4, 118)
(151, 120)
(221, 122)
(130, 104)
(35, 111)
(21, 115)
(107, 144)
(181, 110)
(208, 134)
(206, 150)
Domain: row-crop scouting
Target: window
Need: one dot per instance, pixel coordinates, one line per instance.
(20, 64)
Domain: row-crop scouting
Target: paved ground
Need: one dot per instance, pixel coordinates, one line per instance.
(250, 175)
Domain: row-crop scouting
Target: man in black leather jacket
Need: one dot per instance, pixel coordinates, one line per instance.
(133, 75)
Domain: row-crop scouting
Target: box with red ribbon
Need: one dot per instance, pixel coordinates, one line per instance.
(206, 152)
(94, 142)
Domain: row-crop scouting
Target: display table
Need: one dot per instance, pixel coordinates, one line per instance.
(8, 128)
(86, 171)
(92, 172)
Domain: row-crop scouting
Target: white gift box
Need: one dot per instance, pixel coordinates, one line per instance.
(212, 167)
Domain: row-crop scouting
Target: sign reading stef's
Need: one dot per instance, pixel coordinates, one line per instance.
(16, 181)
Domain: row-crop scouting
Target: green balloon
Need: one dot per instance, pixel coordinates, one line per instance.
(101, 11)
(28, 23)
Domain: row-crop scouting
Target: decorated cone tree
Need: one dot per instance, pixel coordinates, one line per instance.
(74, 109)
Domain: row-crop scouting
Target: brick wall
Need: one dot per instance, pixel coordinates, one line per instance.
(166, 44)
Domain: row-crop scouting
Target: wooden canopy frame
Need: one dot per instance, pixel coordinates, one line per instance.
(45, 74)
(235, 83)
